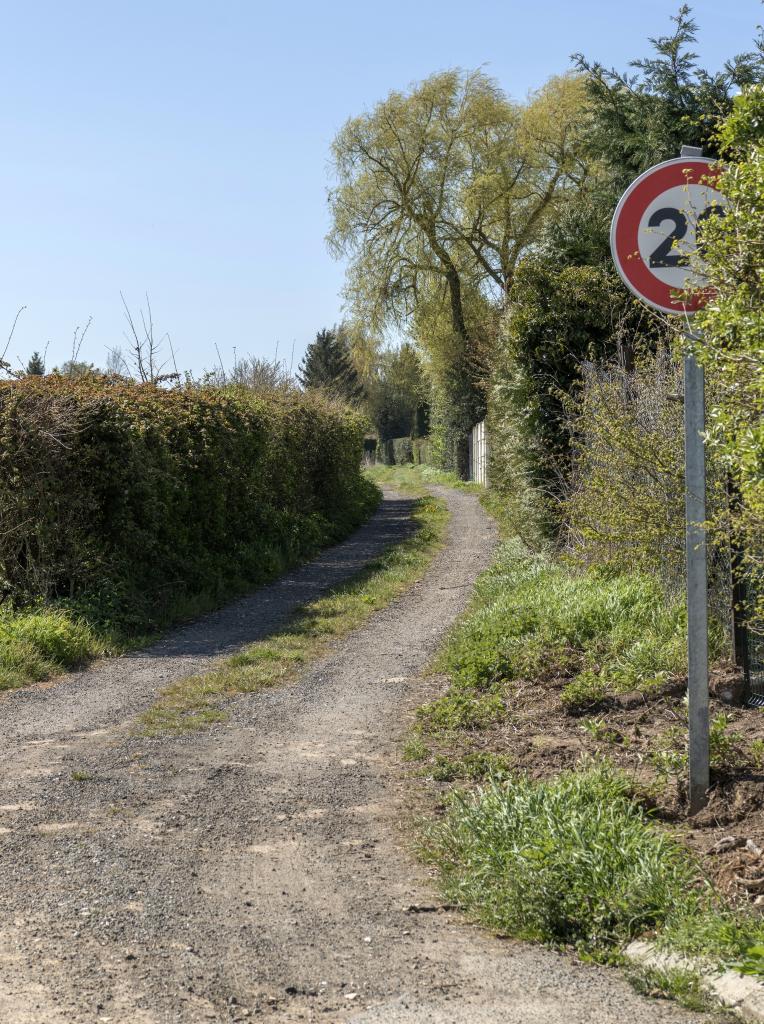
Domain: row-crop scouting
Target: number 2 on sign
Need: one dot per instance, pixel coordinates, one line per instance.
(666, 255)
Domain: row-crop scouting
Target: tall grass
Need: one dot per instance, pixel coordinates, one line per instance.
(576, 861)
(39, 643)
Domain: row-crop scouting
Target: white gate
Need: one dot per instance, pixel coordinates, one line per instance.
(478, 448)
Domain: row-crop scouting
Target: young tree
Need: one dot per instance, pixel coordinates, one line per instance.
(36, 365)
(327, 366)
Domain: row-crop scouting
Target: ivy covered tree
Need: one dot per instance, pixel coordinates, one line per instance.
(327, 366)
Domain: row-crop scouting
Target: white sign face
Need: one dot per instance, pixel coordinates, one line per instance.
(667, 234)
(656, 228)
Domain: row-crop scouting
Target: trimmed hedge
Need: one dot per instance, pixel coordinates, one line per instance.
(139, 497)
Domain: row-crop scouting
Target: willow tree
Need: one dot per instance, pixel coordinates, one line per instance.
(438, 193)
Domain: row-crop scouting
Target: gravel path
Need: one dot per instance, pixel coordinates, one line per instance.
(257, 870)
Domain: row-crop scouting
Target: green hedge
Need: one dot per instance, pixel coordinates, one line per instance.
(401, 451)
(140, 497)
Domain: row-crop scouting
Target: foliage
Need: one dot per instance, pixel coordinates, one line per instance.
(667, 101)
(253, 374)
(36, 365)
(76, 368)
(625, 500)
(576, 861)
(599, 633)
(439, 192)
(571, 861)
(557, 319)
(129, 499)
(732, 325)
(327, 367)
(396, 393)
(40, 642)
(567, 306)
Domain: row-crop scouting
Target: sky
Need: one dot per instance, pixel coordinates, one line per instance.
(180, 149)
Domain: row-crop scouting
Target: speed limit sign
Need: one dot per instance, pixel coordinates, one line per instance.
(656, 228)
(656, 241)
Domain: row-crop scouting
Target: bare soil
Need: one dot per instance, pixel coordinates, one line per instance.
(259, 869)
(540, 738)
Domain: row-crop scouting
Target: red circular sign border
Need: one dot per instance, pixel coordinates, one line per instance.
(625, 226)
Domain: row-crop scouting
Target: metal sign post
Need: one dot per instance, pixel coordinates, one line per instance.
(697, 578)
(653, 239)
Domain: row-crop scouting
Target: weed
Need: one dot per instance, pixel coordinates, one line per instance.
(756, 750)
(673, 983)
(473, 767)
(598, 729)
(753, 963)
(727, 750)
(568, 861)
(81, 776)
(462, 708)
(415, 749)
(40, 642)
(533, 617)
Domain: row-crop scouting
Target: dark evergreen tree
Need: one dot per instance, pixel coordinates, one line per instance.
(667, 100)
(36, 366)
(328, 367)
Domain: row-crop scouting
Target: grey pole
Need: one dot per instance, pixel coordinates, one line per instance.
(697, 587)
(697, 570)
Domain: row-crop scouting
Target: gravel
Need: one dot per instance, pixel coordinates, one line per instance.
(259, 869)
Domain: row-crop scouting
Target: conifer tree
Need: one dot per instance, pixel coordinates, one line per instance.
(328, 366)
(36, 366)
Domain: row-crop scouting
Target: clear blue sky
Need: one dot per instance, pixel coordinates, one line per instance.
(181, 148)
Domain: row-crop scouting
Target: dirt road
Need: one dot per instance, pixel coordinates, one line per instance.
(257, 870)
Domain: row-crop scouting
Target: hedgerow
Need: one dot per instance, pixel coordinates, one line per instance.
(134, 499)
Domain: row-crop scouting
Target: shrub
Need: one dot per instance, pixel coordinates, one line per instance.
(133, 496)
(625, 496)
(732, 327)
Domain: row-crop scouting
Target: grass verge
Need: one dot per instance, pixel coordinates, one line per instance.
(598, 634)
(196, 701)
(576, 861)
(38, 643)
(556, 826)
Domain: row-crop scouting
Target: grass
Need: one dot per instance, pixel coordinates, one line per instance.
(197, 701)
(41, 642)
(533, 617)
(675, 983)
(576, 861)
(418, 478)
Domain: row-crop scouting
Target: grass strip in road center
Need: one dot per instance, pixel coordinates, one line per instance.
(196, 701)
